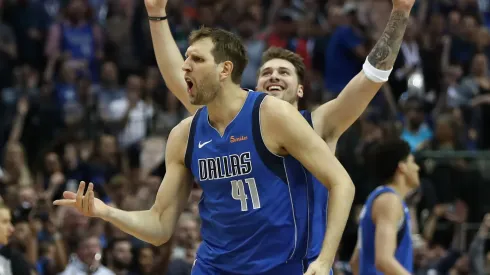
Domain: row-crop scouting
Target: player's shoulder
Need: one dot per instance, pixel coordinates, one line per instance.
(275, 107)
(177, 139)
(387, 204)
(182, 128)
(387, 198)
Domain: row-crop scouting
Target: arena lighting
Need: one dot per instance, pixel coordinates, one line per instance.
(416, 83)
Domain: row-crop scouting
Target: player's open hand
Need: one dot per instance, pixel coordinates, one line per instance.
(86, 203)
(318, 268)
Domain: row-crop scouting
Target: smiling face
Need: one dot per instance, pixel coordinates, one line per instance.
(278, 78)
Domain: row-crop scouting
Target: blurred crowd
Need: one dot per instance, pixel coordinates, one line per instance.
(81, 98)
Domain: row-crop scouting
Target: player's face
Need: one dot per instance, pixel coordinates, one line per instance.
(201, 72)
(278, 78)
(412, 172)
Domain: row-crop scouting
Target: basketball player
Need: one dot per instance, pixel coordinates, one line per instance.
(384, 244)
(247, 151)
(282, 75)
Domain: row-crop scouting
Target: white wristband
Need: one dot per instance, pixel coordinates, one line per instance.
(375, 75)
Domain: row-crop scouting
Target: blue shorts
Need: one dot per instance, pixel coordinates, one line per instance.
(291, 268)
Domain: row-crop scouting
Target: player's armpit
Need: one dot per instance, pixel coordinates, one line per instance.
(285, 131)
(387, 211)
(334, 117)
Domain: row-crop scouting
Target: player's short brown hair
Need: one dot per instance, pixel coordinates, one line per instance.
(293, 58)
(227, 47)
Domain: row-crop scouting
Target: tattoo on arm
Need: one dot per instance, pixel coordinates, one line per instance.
(384, 53)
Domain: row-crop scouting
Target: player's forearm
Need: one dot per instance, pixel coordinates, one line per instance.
(144, 225)
(390, 266)
(169, 59)
(354, 262)
(384, 53)
(340, 201)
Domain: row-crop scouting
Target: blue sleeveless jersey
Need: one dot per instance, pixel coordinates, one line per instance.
(367, 229)
(255, 205)
(319, 206)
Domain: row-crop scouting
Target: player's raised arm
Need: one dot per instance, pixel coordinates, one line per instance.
(167, 53)
(157, 224)
(387, 211)
(333, 118)
(285, 131)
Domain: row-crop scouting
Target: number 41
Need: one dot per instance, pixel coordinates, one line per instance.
(238, 193)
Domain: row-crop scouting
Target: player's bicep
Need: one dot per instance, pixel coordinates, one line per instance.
(387, 213)
(175, 188)
(173, 193)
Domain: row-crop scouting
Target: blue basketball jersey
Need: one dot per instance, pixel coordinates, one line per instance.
(319, 205)
(255, 204)
(366, 237)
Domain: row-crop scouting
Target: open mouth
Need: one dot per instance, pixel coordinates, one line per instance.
(189, 83)
(274, 88)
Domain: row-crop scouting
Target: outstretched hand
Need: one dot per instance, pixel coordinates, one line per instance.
(86, 203)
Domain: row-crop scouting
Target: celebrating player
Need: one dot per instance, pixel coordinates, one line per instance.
(282, 75)
(247, 151)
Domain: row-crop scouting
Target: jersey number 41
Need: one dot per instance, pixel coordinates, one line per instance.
(238, 193)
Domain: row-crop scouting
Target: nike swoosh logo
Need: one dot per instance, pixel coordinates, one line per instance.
(204, 143)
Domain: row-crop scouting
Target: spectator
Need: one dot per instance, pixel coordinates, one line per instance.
(76, 38)
(12, 261)
(415, 131)
(346, 47)
(87, 259)
(120, 256)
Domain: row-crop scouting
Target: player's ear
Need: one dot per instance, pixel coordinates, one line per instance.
(226, 68)
(402, 166)
(300, 92)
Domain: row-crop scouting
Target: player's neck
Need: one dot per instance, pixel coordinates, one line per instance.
(226, 106)
(400, 187)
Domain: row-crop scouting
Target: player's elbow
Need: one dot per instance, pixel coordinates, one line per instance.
(162, 236)
(384, 263)
(162, 230)
(348, 187)
(161, 240)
